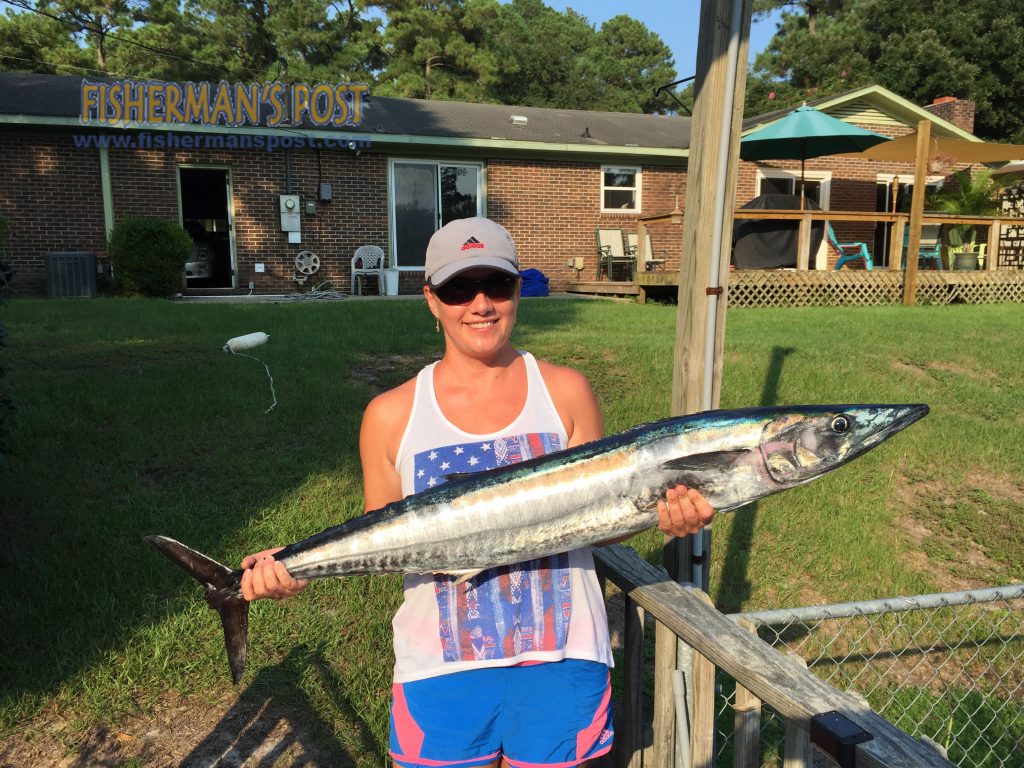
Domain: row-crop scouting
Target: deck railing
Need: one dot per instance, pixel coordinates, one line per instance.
(899, 222)
(765, 675)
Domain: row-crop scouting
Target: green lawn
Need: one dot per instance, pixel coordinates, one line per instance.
(133, 421)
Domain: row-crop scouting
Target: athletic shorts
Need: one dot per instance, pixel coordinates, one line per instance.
(555, 715)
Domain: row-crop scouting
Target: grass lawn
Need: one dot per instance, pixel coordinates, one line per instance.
(133, 421)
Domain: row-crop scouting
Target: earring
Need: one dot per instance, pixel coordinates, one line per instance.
(437, 325)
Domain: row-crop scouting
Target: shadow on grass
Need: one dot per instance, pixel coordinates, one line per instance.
(132, 421)
(273, 720)
(735, 587)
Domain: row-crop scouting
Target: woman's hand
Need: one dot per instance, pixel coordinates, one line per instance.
(683, 511)
(264, 577)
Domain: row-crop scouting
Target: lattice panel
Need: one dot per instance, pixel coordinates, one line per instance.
(1011, 236)
(781, 288)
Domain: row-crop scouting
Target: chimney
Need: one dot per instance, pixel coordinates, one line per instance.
(959, 112)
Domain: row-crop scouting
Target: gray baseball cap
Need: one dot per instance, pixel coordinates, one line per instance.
(469, 244)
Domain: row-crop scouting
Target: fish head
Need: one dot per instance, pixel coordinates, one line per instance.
(736, 457)
(798, 447)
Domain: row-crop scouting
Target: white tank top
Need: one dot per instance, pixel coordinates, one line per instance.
(541, 610)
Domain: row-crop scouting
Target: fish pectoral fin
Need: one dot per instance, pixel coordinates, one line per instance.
(699, 462)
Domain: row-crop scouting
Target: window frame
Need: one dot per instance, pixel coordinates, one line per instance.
(637, 188)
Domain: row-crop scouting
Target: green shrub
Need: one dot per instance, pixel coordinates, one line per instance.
(148, 256)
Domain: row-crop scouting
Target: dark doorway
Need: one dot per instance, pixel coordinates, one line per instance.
(205, 215)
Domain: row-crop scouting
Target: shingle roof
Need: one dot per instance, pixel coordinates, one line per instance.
(36, 95)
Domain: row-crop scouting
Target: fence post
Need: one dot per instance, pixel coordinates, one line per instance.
(798, 740)
(630, 746)
(702, 721)
(747, 721)
(664, 748)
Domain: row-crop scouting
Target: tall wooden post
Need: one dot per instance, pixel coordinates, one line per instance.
(707, 231)
(707, 169)
(924, 137)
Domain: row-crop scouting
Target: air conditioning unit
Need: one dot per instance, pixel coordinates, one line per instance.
(70, 274)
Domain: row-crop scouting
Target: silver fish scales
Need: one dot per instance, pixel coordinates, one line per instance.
(603, 490)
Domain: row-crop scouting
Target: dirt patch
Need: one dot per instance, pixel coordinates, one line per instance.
(953, 529)
(379, 373)
(232, 732)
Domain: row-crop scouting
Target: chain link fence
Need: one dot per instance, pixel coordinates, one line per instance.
(949, 667)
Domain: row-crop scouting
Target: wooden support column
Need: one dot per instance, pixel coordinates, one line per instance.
(899, 228)
(992, 252)
(803, 244)
(924, 135)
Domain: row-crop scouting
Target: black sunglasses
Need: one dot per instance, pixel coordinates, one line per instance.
(462, 290)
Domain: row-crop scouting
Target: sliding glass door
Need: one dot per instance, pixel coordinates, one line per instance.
(426, 195)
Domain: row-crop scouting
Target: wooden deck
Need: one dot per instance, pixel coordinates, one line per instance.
(794, 288)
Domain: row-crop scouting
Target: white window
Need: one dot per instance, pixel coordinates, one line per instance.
(817, 184)
(620, 188)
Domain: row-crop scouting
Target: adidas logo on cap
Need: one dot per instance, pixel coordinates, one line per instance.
(471, 243)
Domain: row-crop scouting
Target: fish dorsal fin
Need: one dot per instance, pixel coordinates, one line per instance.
(699, 462)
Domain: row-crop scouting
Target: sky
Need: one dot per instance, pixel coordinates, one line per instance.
(675, 21)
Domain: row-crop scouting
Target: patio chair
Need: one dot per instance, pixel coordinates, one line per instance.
(848, 252)
(631, 250)
(368, 261)
(611, 251)
(929, 251)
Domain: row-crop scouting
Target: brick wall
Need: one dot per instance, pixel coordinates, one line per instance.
(959, 112)
(50, 191)
(50, 194)
(145, 183)
(553, 208)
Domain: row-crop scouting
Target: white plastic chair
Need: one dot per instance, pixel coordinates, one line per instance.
(368, 261)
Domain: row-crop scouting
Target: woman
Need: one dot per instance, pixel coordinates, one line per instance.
(511, 666)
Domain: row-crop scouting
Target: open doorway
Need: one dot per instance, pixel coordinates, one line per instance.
(206, 216)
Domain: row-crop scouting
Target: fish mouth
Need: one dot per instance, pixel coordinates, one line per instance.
(912, 413)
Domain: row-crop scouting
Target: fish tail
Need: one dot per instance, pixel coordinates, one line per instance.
(223, 594)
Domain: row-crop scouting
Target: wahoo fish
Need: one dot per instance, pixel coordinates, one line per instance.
(605, 489)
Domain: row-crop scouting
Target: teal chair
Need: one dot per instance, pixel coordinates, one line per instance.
(929, 251)
(849, 252)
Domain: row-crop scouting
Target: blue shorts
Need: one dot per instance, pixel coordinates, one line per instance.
(555, 715)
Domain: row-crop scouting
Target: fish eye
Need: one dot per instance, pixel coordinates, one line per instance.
(840, 424)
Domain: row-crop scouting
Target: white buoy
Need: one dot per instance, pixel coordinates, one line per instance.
(248, 341)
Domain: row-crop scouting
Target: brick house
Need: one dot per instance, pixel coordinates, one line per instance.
(550, 176)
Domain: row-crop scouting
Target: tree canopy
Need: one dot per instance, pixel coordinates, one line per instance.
(921, 51)
(521, 52)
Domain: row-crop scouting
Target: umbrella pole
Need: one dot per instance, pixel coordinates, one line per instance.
(803, 159)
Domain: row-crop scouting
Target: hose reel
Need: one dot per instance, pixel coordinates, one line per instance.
(307, 263)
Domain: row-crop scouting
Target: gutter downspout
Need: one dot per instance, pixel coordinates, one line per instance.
(108, 196)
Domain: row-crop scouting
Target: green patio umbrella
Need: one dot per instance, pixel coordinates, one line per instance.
(806, 132)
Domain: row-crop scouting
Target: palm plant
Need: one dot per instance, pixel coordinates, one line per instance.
(969, 195)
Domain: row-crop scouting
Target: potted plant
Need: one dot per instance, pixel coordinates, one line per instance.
(968, 195)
